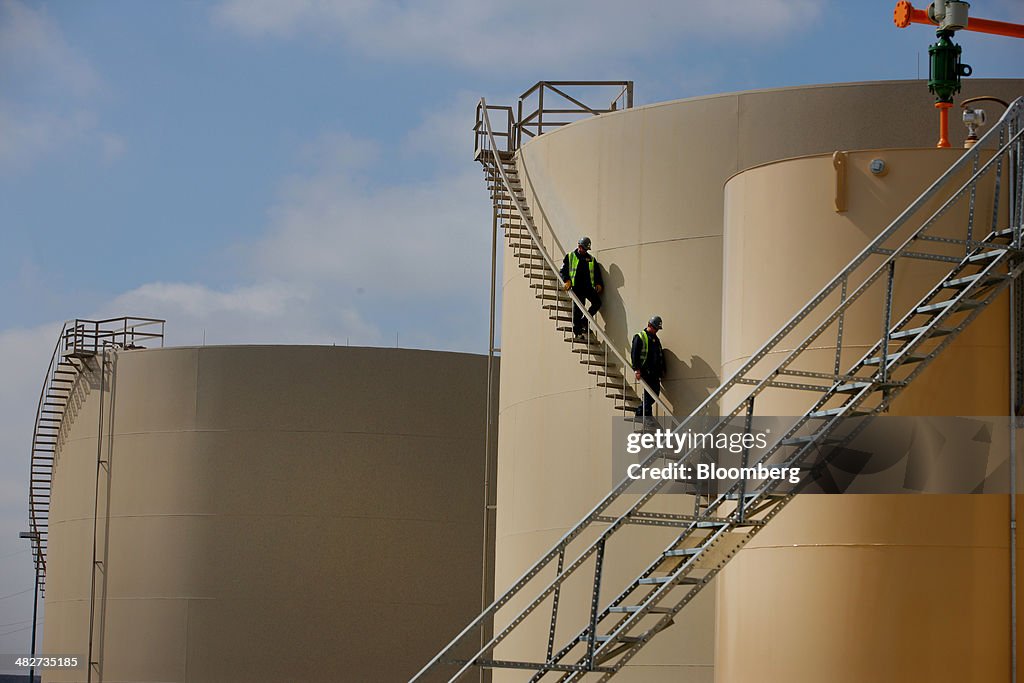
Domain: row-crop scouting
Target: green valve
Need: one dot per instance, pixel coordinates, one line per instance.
(944, 67)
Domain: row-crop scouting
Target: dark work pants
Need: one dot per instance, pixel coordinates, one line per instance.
(646, 409)
(579, 323)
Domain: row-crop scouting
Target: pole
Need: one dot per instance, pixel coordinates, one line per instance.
(485, 567)
(35, 612)
(95, 513)
(1013, 479)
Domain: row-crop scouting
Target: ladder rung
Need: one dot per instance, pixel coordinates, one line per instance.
(831, 412)
(909, 334)
(943, 305)
(963, 281)
(986, 255)
(630, 609)
(619, 639)
(851, 387)
(912, 358)
(658, 580)
(801, 440)
(683, 552)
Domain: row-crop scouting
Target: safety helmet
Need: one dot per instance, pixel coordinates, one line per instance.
(655, 322)
(585, 243)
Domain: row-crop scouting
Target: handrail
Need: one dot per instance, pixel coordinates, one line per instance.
(535, 118)
(480, 136)
(39, 557)
(78, 338)
(603, 505)
(1015, 110)
(556, 270)
(1012, 123)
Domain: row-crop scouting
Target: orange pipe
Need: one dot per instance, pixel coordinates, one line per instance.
(904, 15)
(943, 108)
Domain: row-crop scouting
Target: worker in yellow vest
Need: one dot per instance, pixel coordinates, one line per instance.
(648, 360)
(582, 274)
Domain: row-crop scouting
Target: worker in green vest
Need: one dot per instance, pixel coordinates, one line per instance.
(582, 274)
(648, 360)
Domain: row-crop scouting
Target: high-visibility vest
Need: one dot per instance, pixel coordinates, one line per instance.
(646, 342)
(574, 261)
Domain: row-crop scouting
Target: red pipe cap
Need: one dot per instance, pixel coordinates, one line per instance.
(901, 15)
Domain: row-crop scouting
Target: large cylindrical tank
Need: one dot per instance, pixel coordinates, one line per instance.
(861, 587)
(268, 513)
(646, 185)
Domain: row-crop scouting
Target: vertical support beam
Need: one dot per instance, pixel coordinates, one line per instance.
(95, 514)
(554, 606)
(839, 332)
(519, 123)
(1015, 358)
(970, 211)
(883, 364)
(540, 110)
(1016, 177)
(999, 179)
(489, 422)
(35, 617)
(747, 423)
(594, 604)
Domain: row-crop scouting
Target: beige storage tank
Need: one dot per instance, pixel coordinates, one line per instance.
(646, 185)
(860, 587)
(269, 513)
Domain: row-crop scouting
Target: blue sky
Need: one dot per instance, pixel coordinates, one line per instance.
(300, 172)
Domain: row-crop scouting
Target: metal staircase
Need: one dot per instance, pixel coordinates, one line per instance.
(621, 619)
(73, 358)
(608, 365)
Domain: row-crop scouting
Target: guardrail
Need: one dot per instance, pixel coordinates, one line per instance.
(78, 341)
(560, 108)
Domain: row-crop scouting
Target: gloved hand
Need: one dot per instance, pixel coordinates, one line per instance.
(566, 286)
(598, 288)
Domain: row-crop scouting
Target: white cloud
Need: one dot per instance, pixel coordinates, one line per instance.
(272, 312)
(517, 36)
(424, 238)
(445, 134)
(47, 91)
(337, 151)
(32, 45)
(112, 147)
(30, 136)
